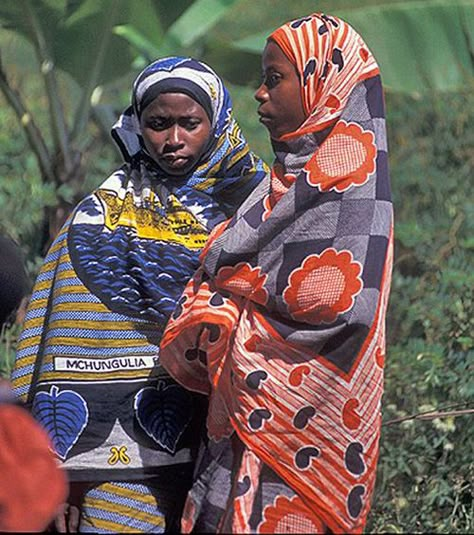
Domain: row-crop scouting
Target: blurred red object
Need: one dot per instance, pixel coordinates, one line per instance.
(32, 485)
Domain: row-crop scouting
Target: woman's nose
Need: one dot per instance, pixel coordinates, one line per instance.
(261, 95)
(174, 135)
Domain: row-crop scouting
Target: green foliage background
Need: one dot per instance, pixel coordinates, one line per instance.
(426, 469)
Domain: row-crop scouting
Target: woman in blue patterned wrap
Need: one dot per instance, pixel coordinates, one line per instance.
(88, 360)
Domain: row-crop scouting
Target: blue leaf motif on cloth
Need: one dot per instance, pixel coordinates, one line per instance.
(164, 413)
(64, 415)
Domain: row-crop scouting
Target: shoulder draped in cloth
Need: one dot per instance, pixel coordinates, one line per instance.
(110, 282)
(284, 324)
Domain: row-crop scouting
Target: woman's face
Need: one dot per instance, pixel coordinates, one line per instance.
(281, 109)
(175, 130)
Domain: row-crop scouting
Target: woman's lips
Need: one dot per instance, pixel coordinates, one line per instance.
(264, 118)
(175, 161)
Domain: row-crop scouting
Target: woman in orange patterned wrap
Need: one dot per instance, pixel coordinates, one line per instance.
(284, 324)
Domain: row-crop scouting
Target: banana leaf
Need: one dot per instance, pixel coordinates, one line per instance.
(420, 45)
(73, 33)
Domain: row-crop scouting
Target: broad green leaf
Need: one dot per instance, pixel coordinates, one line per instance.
(236, 66)
(253, 43)
(73, 34)
(12, 16)
(197, 20)
(168, 11)
(420, 46)
(138, 40)
(148, 20)
(76, 44)
(57, 4)
(85, 8)
(10, 13)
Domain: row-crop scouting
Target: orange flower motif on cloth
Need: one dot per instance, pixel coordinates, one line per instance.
(289, 516)
(280, 184)
(346, 158)
(215, 233)
(323, 286)
(245, 280)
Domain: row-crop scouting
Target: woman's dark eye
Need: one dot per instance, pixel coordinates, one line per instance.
(272, 80)
(191, 125)
(156, 124)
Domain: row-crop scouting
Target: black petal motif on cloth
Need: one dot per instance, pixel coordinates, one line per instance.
(337, 59)
(325, 71)
(304, 455)
(214, 332)
(179, 308)
(302, 417)
(323, 29)
(354, 458)
(254, 378)
(257, 418)
(331, 20)
(243, 486)
(297, 23)
(354, 501)
(309, 70)
(195, 353)
(216, 300)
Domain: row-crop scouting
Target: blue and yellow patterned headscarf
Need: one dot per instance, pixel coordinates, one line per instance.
(88, 354)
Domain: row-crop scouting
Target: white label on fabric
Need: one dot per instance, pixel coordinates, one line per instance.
(81, 365)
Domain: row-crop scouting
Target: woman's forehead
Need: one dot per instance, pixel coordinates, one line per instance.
(273, 57)
(174, 103)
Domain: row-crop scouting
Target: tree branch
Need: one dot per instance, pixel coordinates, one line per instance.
(84, 107)
(59, 127)
(33, 134)
(431, 415)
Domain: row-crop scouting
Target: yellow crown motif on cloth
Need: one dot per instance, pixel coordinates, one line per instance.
(152, 220)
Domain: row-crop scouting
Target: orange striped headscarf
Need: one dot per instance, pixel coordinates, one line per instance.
(325, 85)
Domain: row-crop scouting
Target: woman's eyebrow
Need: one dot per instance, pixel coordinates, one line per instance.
(268, 70)
(155, 116)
